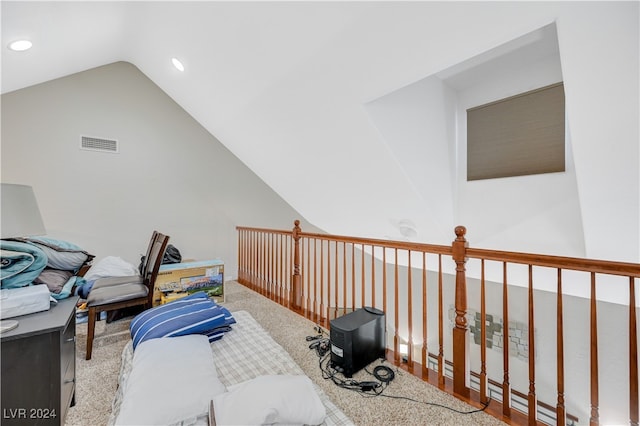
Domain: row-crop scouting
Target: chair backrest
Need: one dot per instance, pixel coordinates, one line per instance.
(144, 267)
(155, 260)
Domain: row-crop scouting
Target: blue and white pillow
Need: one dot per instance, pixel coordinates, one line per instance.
(194, 314)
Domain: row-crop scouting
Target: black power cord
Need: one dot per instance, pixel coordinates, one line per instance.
(383, 375)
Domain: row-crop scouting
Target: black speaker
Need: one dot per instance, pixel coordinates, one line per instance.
(357, 339)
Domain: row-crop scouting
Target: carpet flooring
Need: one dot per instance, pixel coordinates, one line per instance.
(406, 401)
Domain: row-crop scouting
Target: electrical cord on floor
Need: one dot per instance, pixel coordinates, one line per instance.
(433, 404)
(383, 375)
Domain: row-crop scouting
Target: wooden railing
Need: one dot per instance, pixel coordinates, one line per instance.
(324, 276)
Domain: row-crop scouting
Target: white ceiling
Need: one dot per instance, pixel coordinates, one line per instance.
(270, 80)
(283, 85)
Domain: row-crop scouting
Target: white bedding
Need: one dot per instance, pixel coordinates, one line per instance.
(246, 352)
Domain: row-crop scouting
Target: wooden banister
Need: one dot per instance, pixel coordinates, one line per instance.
(329, 275)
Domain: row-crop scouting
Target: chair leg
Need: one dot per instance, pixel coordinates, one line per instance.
(91, 328)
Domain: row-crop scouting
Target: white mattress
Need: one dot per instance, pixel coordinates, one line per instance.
(243, 354)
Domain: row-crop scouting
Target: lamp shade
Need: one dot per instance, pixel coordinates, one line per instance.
(20, 215)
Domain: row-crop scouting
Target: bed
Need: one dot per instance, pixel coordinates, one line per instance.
(246, 352)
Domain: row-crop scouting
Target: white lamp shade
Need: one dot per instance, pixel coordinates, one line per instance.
(20, 215)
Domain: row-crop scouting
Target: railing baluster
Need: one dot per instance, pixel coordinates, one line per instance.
(321, 310)
(595, 416)
(409, 313)
(240, 257)
(441, 380)
(336, 292)
(263, 263)
(483, 336)
(304, 276)
(273, 282)
(425, 322)
(278, 268)
(353, 277)
(278, 259)
(288, 254)
(633, 356)
(384, 280)
(256, 259)
(308, 277)
(315, 280)
(344, 277)
(532, 402)
(284, 274)
(506, 387)
(373, 276)
(396, 321)
(328, 279)
(362, 275)
(561, 414)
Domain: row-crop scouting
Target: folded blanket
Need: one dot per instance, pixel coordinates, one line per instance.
(20, 263)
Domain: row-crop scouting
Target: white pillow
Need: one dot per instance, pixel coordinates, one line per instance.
(171, 379)
(111, 266)
(270, 399)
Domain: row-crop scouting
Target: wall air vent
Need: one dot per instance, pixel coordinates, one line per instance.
(99, 144)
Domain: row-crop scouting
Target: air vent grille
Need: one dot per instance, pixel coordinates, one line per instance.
(99, 144)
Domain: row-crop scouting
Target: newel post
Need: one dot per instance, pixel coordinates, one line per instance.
(296, 287)
(460, 335)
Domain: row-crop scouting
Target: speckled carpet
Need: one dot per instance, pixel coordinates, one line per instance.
(96, 380)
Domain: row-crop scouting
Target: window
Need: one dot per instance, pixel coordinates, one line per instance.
(516, 136)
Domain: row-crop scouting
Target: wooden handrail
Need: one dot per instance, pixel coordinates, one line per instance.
(567, 263)
(323, 276)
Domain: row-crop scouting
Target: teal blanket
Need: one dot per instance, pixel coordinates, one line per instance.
(20, 263)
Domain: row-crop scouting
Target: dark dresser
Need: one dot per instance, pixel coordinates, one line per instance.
(39, 367)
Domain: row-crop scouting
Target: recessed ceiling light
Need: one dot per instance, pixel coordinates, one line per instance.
(177, 64)
(20, 45)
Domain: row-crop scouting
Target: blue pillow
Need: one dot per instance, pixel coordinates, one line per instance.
(228, 317)
(194, 314)
(176, 319)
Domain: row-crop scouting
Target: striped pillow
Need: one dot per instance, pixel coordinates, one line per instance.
(228, 316)
(189, 315)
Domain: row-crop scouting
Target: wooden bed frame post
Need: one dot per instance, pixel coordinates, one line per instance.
(296, 287)
(460, 335)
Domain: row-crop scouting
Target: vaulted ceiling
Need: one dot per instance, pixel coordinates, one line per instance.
(281, 84)
(285, 86)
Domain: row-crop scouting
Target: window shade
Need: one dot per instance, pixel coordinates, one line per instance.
(516, 136)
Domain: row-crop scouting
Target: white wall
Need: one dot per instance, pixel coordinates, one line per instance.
(417, 123)
(170, 174)
(316, 114)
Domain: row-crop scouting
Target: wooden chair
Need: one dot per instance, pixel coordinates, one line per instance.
(129, 278)
(107, 297)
